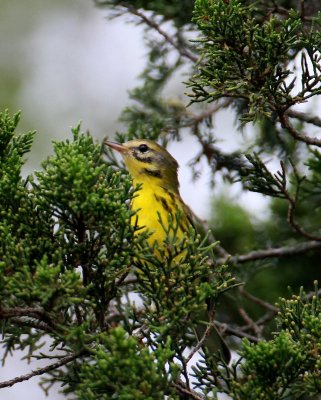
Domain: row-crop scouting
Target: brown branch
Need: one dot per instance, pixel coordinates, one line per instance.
(264, 319)
(31, 312)
(284, 251)
(124, 279)
(200, 343)
(291, 219)
(195, 119)
(271, 314)
(280, 181)
(310, 119)
(32, 323)
(274, 310)
(152, 24)
(236, 332)
(252, 325)
(296, 134)
(41, 371)
(180, 386)
(130, 280)
(257, 300)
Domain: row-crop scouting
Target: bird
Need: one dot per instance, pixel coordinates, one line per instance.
(157, 202)
(153, 167)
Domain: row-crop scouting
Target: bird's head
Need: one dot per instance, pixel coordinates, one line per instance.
(148, 161)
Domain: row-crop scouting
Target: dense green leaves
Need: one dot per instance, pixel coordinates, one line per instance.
(178, 282)
(248, 57)
(123, 368)
(70, 265)
(120, 316)
(61, 247)
(289, 365)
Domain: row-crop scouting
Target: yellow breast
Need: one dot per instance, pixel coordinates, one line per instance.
(155, 207)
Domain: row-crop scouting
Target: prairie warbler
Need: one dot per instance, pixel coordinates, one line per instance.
(152, 167)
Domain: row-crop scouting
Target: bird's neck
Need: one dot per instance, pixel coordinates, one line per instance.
(156, 183)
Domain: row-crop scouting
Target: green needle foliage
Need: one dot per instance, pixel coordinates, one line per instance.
(246, 56)
(121, 365)
(114, 318)
(70, 264)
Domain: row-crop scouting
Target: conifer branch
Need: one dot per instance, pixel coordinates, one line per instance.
(257, 300)
(296, 134)
(31, 312)
(40, 371)
(310, 119)
(32, 323)
(252, 325)
(188, 393)
(284, 251)
(200, 343)
(235, 331)
(195, 119)
(152, 24)
(298, 228)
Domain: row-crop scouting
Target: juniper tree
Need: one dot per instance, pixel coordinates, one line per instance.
(119, 321)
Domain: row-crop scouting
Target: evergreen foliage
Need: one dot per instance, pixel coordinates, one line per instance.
(118, 317)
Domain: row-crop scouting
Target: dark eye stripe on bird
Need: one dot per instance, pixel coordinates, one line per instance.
(154, 173)
(142, 158)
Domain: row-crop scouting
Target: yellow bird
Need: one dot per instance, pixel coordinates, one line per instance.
(153, 167)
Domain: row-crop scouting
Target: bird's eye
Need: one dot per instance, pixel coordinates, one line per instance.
(143, 148)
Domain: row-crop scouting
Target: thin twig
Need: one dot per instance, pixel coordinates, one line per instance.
(296, 134)
(180, 386)
(184, 370)
(271, 314)
(41, 371)
(284, 251)
(310, 119)
(264, 319)
(130, 280)
(31, 312)
(200, 343)
(236, 332)
(291, 219)
(257, 300)
(195, 119)
(152, 24)
(32, 323)
(250, 323)
(280, 182)
(122, 278)
(142, 332)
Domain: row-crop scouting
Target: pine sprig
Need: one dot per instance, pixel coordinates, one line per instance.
(260, 179)
(248, 58)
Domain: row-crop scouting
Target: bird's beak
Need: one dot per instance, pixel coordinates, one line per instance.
(117, 146)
